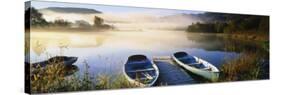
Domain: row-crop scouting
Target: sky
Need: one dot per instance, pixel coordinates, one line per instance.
(111, 9)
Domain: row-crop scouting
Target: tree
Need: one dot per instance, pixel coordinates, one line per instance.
(99, 24)
(98, 21)
(227, 23)
(34, 18)
(61, 23)
(264, 24)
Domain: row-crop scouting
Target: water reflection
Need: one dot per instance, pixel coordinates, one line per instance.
(106, 52)
(221, 42)
(38, 47)
(44, 40)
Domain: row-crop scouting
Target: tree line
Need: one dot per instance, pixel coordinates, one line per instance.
(230, 23)
(34, 19)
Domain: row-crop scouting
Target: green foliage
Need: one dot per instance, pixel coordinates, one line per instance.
(230, 23)
(34, 18)
(60, 23)
(207, 27)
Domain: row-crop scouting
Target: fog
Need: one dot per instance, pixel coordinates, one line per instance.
(129, 21)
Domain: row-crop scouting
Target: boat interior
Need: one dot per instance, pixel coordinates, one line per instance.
(140, 68)
(190, 60)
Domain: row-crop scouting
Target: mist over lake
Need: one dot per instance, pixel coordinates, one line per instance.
(69, 47)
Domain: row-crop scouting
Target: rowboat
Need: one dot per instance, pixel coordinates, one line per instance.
(196, 66)
(67, 61)
(140, 71)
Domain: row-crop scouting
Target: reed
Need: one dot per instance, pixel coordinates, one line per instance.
(52, 78)
(113, 82)
(246, 67)
(59, 78)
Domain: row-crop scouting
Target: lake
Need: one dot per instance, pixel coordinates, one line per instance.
(106, 52)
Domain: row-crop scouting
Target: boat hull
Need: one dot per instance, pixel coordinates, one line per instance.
(68, 62)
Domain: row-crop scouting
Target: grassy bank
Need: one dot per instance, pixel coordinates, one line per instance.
(249, 36)
(52, 79)
(60, 78)
(243, 68)
(248, 66)
(252, 62)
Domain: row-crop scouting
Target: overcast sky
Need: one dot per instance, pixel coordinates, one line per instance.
(111, 9)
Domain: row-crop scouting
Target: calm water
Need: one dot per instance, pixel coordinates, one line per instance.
(106, 52)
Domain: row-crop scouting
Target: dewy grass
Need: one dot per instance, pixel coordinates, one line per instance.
(54, 81)
(246, 67)
(113, 82)
(54, 78)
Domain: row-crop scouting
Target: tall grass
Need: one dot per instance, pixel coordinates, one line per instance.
(52, 79)
(113, 82)
(55, 78)
(253, 60)
(246, 67)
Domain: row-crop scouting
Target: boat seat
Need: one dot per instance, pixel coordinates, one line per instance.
(197, 65)
(207, 69)
(148, 76)
(145, 78)
(142, 70)
(194, 64)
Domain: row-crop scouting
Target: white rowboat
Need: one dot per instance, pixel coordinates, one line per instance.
(196, 66)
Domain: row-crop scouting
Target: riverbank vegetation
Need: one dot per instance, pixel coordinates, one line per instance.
(248, 66)
(235, 25)
(231, 23)
(58, 78)
(247, 35)
(251, 64)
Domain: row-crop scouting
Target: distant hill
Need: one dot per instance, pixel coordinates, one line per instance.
(71, 10)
